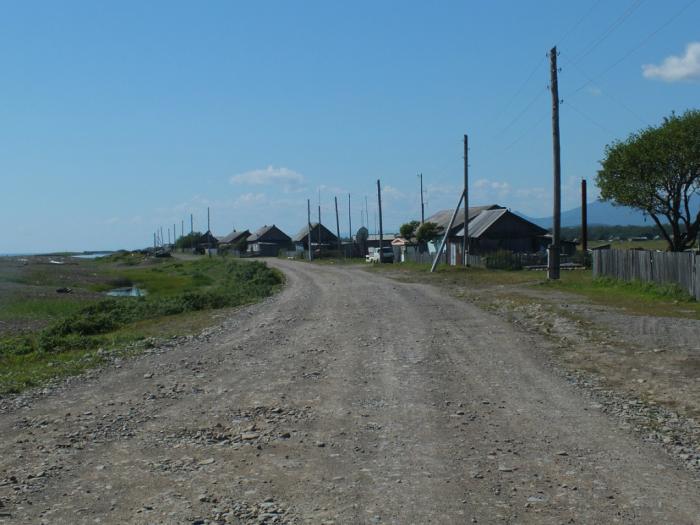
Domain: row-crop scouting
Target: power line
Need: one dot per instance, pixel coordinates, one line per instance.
(578, 23)
(537, 96)
(589, 119)
(606, 94)
(527, 132)
(610, 30)
(520, 89)
(638, 46)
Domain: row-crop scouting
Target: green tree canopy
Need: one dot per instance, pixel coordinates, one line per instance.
(188, 241)
(657, 170)
(428, 231)
(408, 230)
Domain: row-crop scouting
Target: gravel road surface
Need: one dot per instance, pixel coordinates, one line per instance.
(347, 398)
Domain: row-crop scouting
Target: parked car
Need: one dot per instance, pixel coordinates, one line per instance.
(387, 255)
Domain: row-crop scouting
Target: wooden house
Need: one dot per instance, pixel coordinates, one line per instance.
(230, 241)
(207, 242)
(327, 239)
(268, 241)
(491, 228)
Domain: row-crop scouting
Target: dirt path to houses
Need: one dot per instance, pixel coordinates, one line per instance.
(347, 398)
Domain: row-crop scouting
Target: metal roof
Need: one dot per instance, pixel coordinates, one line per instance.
(480, 224)
(442, 218)
(262, 231)
(304, 232)
(385, 236)
(234, 236)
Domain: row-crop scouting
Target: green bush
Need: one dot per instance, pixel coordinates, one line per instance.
(238, 284)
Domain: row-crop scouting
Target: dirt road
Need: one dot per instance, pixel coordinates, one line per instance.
(347, 398)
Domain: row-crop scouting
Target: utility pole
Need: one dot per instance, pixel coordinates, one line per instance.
(208, 233)
(154, 242)
(174, 234)
(349, 220)
(319, 224)
(191, 224)
(584, 218)
(381, 231)
(554, 250)
(308, 218)
(422, 205)
(337, 226)
(465, 241)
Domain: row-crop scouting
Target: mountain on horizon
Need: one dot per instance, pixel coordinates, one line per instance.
(599, 212)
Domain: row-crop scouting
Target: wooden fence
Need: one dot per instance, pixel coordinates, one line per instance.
(681, 268)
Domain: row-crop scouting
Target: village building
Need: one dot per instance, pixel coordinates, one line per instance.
(231, 241)
(387, 238)
(492, 228)
(207, 243)
(268, 241)
(327, 240)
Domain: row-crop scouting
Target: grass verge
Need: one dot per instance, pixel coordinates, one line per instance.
(181, 297)
(665, 300)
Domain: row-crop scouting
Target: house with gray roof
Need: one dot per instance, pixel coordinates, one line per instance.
(268, 241)
(320, 236)
(491, 228)
(234, 237)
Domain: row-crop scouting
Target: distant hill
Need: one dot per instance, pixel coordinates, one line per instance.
(599, 212)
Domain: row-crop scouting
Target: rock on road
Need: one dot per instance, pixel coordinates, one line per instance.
(346, 398)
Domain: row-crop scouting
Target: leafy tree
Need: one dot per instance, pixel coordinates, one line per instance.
(408, 230)
(428, 231)
(657, 170)
(188, 241)
(241, 245)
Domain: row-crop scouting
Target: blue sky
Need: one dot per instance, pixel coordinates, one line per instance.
(121, 117)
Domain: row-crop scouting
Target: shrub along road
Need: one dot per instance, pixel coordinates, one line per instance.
(346, 398)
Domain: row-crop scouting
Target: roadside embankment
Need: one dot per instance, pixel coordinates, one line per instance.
(56, 319)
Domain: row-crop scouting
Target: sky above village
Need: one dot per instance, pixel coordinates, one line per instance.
(122, 117)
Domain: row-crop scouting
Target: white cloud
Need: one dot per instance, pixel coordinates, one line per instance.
(492, 185)
(674, 69)
(392, 192)
(290, 180)
(490, 190)
(249, 199)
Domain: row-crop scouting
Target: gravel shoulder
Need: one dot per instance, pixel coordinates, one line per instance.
(346, 398)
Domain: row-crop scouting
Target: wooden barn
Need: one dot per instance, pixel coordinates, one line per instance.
(499, 229)
(231, 240)
(268, 241)
(327, 239)
(207, 241)
(491, 228)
